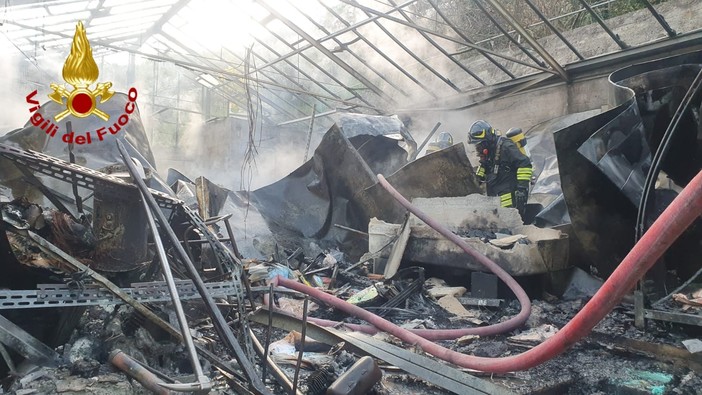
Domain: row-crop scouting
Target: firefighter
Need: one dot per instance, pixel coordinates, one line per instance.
(443, 141)
(503, 167)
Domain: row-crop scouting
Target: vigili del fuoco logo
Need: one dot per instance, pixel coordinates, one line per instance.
(81, 71)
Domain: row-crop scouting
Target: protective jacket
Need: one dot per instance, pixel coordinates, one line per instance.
(505, 169)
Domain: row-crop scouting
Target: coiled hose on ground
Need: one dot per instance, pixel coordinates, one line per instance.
(449, 334)
(686, 207)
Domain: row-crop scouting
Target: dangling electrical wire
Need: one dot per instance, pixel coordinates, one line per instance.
(254, 108)
(253, 103)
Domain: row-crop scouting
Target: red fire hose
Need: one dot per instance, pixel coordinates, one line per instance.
(664, 231)
(450, 334)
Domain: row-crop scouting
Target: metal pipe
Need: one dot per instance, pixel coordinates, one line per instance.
(8, 359)
(296, 120)
(175, 298)
(268, 332)
(74, 180)
(186, 242)
(134, 370)
(302, 344)
(678, 289)
(220, 324)
(332, 281)
(309, 133)
(249, 293)
(426, 140)
(50, 194)
(230, 232)
(352, 230)
(202, 241)
(277, 372)
(25, 344)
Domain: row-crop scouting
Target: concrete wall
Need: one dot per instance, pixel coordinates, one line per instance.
(533, 107)
(522, 110)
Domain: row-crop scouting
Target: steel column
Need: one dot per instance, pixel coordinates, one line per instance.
(530, 39)
(368, 84)
(602, 23)
(446, 37)
(660, 19)
(553, 29)
(348, 28)
(464, 37)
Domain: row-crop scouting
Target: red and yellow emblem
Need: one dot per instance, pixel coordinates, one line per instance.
(81, 71)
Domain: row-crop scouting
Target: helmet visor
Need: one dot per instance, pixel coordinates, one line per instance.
(477, 136)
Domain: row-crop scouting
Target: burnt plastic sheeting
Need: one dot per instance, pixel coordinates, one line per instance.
(353, 125)
(307, 199)
(543, 152)
(597, 193)
(173, 176)
(554, 214)
(185, 191)
(251, 233)
(598, 209)
(380, 152)
(302, 200)
(547, 187)
(659, 93)
(338, 186)
(216, 196)
(445, 173)
(96, 155)
(620, 151)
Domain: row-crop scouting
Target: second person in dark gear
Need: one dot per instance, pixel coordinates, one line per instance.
(503, 167)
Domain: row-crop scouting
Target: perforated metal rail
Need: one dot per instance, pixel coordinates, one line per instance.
(83, 176)
(91, 179)
(61, 295)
